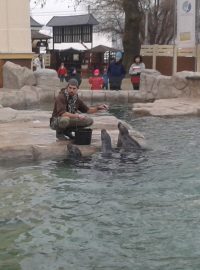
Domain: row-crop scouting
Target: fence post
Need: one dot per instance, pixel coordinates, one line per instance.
(154, 55)
(198, 58)
(174, 68)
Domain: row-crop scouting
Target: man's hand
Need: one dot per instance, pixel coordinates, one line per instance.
(102, 107)
(81, 116)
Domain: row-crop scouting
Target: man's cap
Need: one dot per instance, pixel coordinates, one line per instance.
(73, 82)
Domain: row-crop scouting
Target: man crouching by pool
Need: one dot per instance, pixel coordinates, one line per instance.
(66, 117)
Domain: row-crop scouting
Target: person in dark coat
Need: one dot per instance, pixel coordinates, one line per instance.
(116, 72)
(73, 74)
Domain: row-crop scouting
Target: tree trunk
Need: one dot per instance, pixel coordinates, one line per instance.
(131, 42)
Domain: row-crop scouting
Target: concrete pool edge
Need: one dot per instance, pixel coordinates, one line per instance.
(26, 136)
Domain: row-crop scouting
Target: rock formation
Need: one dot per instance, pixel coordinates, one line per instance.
(16, 76)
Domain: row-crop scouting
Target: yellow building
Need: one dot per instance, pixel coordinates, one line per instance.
(15, 33)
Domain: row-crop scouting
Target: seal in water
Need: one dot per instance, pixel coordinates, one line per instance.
(125, 141)
(106, 144)
(74, 151)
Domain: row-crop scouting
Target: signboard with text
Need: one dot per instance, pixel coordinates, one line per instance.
(185, 23)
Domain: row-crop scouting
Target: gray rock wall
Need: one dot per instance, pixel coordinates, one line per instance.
(182, 84)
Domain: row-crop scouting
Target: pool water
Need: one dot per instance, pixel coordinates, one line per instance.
(140, 212)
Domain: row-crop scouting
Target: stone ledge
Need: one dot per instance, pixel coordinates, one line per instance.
(169, 107)
(25, 136)
(34, 96)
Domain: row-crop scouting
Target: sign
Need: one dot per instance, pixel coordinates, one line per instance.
(186, 23)
(47, 60)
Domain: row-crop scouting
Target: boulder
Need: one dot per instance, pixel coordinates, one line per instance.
(47, 77)
(179, 80)
(152, 72)
(12, 98)
(168, 107)
(182, 84)
(16, 76)
(148, 80)
(164, 87)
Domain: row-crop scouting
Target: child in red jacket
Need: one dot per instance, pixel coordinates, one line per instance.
(62, 72)
(96, 81)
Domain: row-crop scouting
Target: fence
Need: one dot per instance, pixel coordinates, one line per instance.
(169, 59)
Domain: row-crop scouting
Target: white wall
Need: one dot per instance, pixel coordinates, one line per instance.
(15, 30)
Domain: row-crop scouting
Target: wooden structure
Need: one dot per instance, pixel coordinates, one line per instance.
(169, 59)
(38, 39)
(73, 29)
(70, 57)
(99, 57)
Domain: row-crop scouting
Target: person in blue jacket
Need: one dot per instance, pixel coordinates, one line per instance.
(116, 72)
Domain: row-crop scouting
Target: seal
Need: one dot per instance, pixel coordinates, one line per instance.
(125, 141)
(73, 151)
(106, 144)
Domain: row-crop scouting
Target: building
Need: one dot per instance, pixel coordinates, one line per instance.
(15, 33)
(73, 29)
(39, 41)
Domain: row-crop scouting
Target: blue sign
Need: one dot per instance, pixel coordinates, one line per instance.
(187, 6)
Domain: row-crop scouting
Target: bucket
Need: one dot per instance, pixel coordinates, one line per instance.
(83, 136)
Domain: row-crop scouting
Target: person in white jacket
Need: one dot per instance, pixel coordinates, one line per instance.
(135, 71)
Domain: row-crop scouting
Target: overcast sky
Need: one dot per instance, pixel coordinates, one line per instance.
(63, 8)
(55, 8)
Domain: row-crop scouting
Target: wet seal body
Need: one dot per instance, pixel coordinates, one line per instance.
(73, 151)
(106, 145)
(125, 141)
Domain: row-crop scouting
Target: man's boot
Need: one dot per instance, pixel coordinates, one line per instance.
(68, 133)
(60, 135)
(65, 134)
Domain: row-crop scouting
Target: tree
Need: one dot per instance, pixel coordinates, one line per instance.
(131, 42)
(127, 19)
(121, 17)
(161, 15)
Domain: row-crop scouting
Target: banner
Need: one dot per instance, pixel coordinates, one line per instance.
(186, 17)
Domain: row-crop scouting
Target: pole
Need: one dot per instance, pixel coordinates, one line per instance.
(146, 27)
(174, 62)
(196, 35)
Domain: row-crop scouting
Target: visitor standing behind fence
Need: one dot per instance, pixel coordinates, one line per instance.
(96, 81)
(116, 72)
(135, 71)
(105, 79)
(62, 72)
(73, 74)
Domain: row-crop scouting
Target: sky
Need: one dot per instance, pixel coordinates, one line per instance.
(64, 8)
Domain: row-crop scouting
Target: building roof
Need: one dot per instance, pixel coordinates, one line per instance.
(34, 23)
(102, 49)
(35, 34)
(87, 19)
(70, 50)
